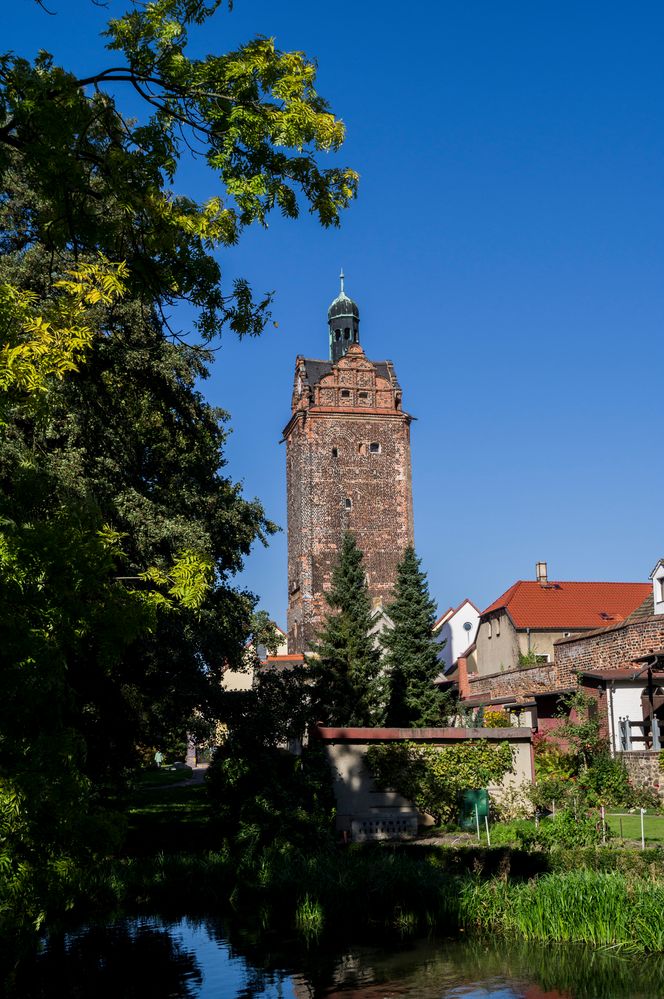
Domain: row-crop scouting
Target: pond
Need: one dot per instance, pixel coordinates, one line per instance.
(151, 958)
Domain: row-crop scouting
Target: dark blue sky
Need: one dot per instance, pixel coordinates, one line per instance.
(506, 252)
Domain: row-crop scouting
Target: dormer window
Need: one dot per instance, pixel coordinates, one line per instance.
(660, 589)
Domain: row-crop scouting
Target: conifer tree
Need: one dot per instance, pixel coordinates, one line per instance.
(346, 663)
(411, 653)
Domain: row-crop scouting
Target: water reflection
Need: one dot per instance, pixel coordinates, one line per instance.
(207, 959)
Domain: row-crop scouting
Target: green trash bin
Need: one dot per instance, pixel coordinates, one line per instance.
(468, 801)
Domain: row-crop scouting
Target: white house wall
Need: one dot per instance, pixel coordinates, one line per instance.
(455, 636)
(626, 704)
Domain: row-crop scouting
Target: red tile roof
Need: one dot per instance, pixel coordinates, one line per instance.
(569, 606)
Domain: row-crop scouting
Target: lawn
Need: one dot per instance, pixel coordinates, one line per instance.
(653, 826)
(162, 777)
(170, 820)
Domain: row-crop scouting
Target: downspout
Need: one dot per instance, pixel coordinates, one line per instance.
(610, 691)
(528, 633)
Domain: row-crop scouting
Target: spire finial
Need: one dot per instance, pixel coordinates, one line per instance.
(341, 278)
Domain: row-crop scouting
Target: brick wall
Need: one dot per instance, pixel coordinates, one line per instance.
(512, 682)
(612, 649)
(337, 483)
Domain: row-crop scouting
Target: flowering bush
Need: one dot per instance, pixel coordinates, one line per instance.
(496, 718)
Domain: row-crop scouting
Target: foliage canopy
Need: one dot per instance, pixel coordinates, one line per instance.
(119, 531)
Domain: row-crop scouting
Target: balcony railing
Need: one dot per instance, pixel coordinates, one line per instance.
(639, 735)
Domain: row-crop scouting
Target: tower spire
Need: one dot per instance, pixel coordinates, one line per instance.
(343, 317)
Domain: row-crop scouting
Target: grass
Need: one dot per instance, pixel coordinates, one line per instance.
(653, 827)
(170, 820)
(163, 777)
(603, 909)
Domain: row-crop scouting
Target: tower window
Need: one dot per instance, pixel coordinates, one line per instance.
(345, 394)
(346, 334)
(335, 452)
(374, 448)
(337, 335)
(348, 503)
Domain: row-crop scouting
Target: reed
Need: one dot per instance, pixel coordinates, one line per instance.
(309, 918)
(598, 908)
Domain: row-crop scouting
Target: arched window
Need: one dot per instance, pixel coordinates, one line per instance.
(346, 334)
(348, 503)
(337, 335)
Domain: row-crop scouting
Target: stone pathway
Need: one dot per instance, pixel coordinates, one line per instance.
(197, 777)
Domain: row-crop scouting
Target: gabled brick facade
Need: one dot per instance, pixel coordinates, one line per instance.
(347, 469)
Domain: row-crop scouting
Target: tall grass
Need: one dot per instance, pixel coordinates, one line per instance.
(592, 907)
(398, 891)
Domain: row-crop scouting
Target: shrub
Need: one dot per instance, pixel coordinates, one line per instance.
(268, 797)
(495, 718)
(432, 778)
(566, 829)
(605, 781)
(644, 797)
(513, 803)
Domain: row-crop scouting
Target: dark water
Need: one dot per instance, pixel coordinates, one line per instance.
(188, 959)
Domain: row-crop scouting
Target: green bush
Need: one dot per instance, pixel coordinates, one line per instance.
(644, 797)
(269, 797)
(605, 782)
(566, 829)
(432, 778)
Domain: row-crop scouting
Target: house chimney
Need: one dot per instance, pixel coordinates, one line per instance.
(540, 573)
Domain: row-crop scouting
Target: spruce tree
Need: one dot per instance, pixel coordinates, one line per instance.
(345, 666)
(411, 653)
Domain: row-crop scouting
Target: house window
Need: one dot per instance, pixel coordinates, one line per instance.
(335, 452)
(348, 503)
(374, 448)
(544, 658)
(345, 394)
(364, 395)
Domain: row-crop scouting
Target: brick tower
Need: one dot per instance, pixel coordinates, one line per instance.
(347, 469)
